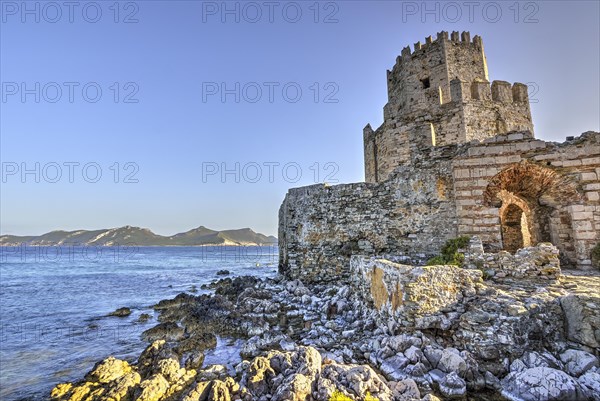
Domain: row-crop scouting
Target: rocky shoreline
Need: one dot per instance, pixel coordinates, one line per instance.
(323, 342)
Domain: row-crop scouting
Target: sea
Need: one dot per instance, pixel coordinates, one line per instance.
(55, 302)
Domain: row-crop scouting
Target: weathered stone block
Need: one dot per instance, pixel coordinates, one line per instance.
(410, 291)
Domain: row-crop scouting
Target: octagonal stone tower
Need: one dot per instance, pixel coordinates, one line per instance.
(440, 94)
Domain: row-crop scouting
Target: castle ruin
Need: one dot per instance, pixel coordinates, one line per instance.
(455, 155)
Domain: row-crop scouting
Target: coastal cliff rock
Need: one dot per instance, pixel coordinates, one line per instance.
(317, 342)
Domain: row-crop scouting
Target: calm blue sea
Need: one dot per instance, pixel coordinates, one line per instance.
(54, 302)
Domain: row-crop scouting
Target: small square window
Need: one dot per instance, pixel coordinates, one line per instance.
(425, 83)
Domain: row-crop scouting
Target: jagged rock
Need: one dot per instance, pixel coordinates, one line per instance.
(123, 387)
(582, 316)
(168, 331)
(430, 397)
(296, 387)
(144, 317)
(542, 384)
(157, 351)
(590, 382)
(194, 360)
(108, 370)
(452, 386)
(223, 272)
(393, 367)
(451, 361)
(406, 390)
(199, 391)
(518, 366)
(414, 354)
(259, 376)
(255, 345)
(535, 359)
(578, 362)
(152, 389)
(433, 355)
(219, 391)
(121, 312)
(417, 370)
(213, 372)
(476, 354)
(492, 381)
(353, 379)
(196, 342)
(170, 369)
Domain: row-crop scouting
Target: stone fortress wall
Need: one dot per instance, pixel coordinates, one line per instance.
(455, 155)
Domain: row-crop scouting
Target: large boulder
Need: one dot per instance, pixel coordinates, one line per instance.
(578, 362)
(452, 361)
(590, 382)
(542, 384)
(353, 380)
(582, 315)
(108, 370)
(453, 387)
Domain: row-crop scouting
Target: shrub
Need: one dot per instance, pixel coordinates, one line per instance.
(450, 254)
(369, 397)
(339, 396)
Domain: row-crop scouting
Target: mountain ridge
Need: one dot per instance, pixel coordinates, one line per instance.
(140, 236)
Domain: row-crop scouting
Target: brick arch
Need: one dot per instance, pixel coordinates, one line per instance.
(542, 194)
(534, 184)
(516, 220)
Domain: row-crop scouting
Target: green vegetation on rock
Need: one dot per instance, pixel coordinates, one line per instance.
(450, 254)
(339, 396)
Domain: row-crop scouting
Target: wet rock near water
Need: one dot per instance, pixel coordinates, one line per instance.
(121, 312)
(144, 317)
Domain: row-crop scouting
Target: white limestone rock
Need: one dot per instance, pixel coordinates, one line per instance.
(542, 384)
(578, 362)
(590, 382)
(452, 386)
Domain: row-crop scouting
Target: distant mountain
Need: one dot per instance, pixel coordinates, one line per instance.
(142, 237)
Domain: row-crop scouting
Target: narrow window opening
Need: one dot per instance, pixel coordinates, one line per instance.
(426, 83)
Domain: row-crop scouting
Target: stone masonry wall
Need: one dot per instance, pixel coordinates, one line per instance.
(322, 226)
(449, 191)
(561, 183)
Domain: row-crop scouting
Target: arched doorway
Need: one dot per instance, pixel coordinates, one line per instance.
(532, 202)
(515, 228)
(517, 218)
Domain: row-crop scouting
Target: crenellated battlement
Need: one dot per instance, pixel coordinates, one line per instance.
(497, 91)
(443, 38)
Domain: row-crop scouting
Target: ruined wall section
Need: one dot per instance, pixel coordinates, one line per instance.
(322, 226)
(573, 220)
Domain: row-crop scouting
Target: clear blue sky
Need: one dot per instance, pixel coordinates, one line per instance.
(175, 51)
